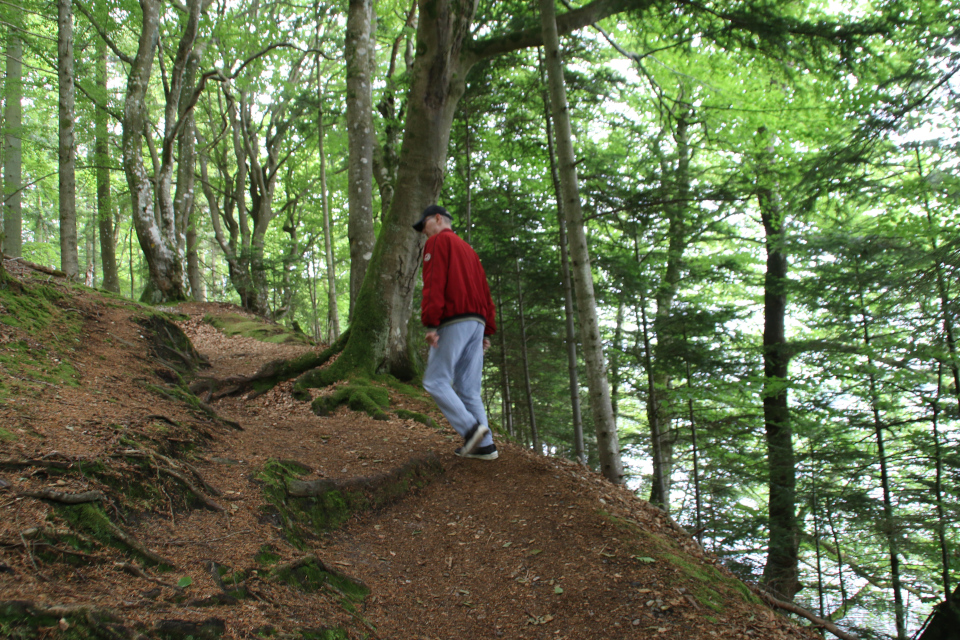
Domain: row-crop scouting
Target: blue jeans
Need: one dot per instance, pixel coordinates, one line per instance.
(453, 375)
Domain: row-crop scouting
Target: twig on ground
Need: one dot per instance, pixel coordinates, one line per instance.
(64, 497)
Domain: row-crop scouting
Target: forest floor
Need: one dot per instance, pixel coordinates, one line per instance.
(521, 547)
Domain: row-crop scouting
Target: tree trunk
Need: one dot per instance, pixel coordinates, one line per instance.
(781, 572)
(938, 495)
(361, 61)
(607, 442)
(534, 434)
(157, 237)
(108, 248)
(889, 526)
(507, 411)
(568, 311)
(677, 190)
(69, 258)
(333, 313)
(13, 121)
(184, 201)
(698, 501)
(658, 492)
(944, 621)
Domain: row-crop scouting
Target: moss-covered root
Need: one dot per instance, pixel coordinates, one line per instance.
(359, 395)
(171, 346)
(306, 509)
(314, 377)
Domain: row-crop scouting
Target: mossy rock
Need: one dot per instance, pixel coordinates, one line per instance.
(235, 324)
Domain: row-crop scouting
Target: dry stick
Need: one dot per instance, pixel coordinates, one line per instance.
(800, 611)
(63, 497)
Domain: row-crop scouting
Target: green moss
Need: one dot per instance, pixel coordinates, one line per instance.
(706, 583)
(267, 556)
(305, 510)
(24, 621)
(359, 395)
(90, 519)
(6, 435)
(234, 324)
(312, 576)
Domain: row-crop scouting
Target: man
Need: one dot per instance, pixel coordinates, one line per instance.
(459, 315)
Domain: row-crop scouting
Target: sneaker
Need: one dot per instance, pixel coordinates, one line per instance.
(488, 452)
(474, 437)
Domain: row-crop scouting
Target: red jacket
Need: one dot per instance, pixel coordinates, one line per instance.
(454, 283)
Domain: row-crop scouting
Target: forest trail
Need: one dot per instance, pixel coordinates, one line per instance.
(521, 547)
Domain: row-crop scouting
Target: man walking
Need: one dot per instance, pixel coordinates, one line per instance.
(459, 315)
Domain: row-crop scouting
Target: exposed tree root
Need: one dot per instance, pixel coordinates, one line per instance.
(316, 488)
(152, 457)
(800, 611)
(26, 464)
(268, 376)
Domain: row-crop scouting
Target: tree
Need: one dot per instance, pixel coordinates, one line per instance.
(69, 261)
(12, 244)
(604, 420)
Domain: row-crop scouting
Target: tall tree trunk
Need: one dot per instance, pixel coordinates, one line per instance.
(13, 121)
(333, 314)
(361, 61)
(507, 411)
(69, 258)
(889, 526)
(676, 190)
(185, 200)
(108, 248)
(157, 235)
(607, 442)
(534, 434)
(659, 489)
(698, 501)
(781, 572)
(570, 328)
(938, 495)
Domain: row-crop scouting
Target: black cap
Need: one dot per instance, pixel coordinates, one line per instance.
(429, 212)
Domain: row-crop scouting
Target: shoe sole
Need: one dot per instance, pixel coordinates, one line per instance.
(479, 456)
(471, 445)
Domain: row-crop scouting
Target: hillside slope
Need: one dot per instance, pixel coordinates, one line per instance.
(132, 508)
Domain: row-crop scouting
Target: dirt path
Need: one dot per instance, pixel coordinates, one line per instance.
(520, 547)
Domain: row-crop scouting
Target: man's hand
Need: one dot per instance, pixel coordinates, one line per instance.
(486, 343)
(432, 338)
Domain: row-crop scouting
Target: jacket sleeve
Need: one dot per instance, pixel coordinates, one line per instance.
(435, 259)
